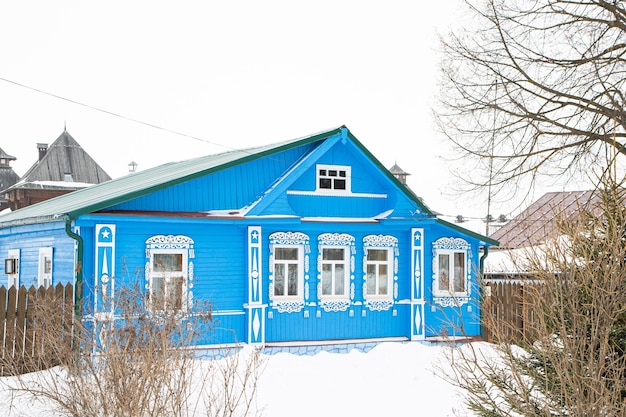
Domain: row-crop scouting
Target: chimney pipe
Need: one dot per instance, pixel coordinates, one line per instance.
(43, 149)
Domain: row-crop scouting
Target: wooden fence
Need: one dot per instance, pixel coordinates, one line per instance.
(508, 311)
(37, 328)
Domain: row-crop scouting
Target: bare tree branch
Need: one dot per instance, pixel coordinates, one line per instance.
(536, 87)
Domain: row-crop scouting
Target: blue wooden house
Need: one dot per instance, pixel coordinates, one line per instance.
(309, 240)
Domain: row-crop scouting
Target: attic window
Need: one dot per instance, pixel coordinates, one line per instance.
(68, 178)
(333, 178)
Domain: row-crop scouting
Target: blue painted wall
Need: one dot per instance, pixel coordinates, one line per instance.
(29, 239)
(278, 203)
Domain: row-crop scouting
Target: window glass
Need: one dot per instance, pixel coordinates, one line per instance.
(47, 265)
(444, 272)
(172, 262)
(371, 279)
(293, 279)
(459, 272)
(334, 271)
(382, 279)
(287, 271)
(279, 279)
(376, 254)
(286, 254)
(339, 279)
(377, 272)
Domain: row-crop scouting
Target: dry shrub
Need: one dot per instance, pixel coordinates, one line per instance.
(571, 359)
(140, 363)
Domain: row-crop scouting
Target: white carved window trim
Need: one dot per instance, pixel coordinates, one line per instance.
(14, 279)
(170, 244)
(381, 302)
(449, 246)
(293, 240)
(336, 241)
(333, 175)
(45, 267)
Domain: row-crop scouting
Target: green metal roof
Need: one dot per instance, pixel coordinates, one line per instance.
(119, 190)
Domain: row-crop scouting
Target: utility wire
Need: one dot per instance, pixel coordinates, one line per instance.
(130, 119)
(115, 114)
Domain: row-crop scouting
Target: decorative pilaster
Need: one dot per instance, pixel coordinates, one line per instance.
(104, 301)
(417, 284)
(255, 306)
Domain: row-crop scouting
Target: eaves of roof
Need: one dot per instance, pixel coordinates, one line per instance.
(392, 177)
(483, 239)
(119, 190)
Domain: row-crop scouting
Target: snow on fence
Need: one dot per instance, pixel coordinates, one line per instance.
(36, 326)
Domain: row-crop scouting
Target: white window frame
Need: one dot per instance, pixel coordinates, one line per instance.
(299, 263)
(333, 263)
(324, 172)
(156, 272)
(444, 292)
(449, 277)
(376, 263)
(14, 279)
(45, 267)
(388, 243)
(300, 242)
(169, 245)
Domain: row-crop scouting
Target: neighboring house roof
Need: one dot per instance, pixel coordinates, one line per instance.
(100, 196)
(8, 177)
(5, 155)
(396, 170)
(537, 223)
(64, 157)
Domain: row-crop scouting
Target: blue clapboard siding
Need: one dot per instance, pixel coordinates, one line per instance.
(272, 191)
(350, 324)
(29, 239)
(219, 264)
(313, 323)
(231, 188)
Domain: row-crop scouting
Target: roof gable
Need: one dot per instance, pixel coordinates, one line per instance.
(371, 191)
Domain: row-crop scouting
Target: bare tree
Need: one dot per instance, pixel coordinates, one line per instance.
(535, 88)
(571, 361)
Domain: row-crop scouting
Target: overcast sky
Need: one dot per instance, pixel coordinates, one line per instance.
(232, 74)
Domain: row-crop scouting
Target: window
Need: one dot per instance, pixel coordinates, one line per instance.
(378, 272)
(451, 275)
(169, 272)
(333, 178)
(169, 276)
(12, 268)
(334, 272)
(380, 267)
(451, 270)
(44, 278)
(288, 271)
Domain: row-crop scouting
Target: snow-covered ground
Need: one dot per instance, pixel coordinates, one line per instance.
(391, 379)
